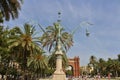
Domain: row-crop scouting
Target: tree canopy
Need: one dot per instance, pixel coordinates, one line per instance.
(9, 9)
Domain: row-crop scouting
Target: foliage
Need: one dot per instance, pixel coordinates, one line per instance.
(16, 45)
(9, 8)
(53, 36)
(20, 45)
(69, 73)
(52, 60)
(50, 38)
(37, 63)
(105, 67)
(23, 43)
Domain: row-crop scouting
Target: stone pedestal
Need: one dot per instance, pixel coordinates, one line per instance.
(59, 76)
(59, 73)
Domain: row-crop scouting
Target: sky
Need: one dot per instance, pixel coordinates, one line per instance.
(104, 39)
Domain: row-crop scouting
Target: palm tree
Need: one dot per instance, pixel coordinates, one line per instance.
(93, 60)
(119, 57)
(114, 67)
(24, 42)
(9, 8)
(94, 64)
(51, 38)
(102, 66)
(37, 63)
(119, 63)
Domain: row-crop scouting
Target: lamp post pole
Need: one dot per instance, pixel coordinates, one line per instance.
(59, 73)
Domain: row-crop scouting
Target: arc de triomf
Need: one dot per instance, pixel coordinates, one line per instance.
(74, 63)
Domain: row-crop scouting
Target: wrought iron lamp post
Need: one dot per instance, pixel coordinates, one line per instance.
(59, 73)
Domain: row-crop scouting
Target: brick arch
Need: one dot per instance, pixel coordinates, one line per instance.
(75, 64)
(70, 69)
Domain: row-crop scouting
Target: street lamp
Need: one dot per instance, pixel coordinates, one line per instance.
(82, 24)
(59, 73)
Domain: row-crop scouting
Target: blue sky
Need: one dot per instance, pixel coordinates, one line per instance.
(104, 40)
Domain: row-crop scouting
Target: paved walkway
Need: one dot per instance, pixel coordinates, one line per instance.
(83, 79)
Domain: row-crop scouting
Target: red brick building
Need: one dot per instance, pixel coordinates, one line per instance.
(74, 63)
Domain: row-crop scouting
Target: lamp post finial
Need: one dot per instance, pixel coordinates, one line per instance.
(59, 15)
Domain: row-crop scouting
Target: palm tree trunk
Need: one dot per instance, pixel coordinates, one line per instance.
(25, 60)
(25, 63)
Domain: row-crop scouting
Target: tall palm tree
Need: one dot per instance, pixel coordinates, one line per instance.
(119, 57)
(102, 66)
(94, 64)
(24, 42)
(93, 60)
(51, 38)
(114, 67)
(10, 8)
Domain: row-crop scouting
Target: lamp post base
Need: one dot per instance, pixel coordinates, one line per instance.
(59, 76)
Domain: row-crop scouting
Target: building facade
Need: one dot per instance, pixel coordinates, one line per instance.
(75, 64)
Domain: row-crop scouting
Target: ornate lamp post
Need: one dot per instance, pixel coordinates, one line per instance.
(59, 73)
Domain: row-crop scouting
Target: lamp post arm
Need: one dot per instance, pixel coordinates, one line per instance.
(76, 28)
(36, 23)
(41, 28)
(73, 32)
